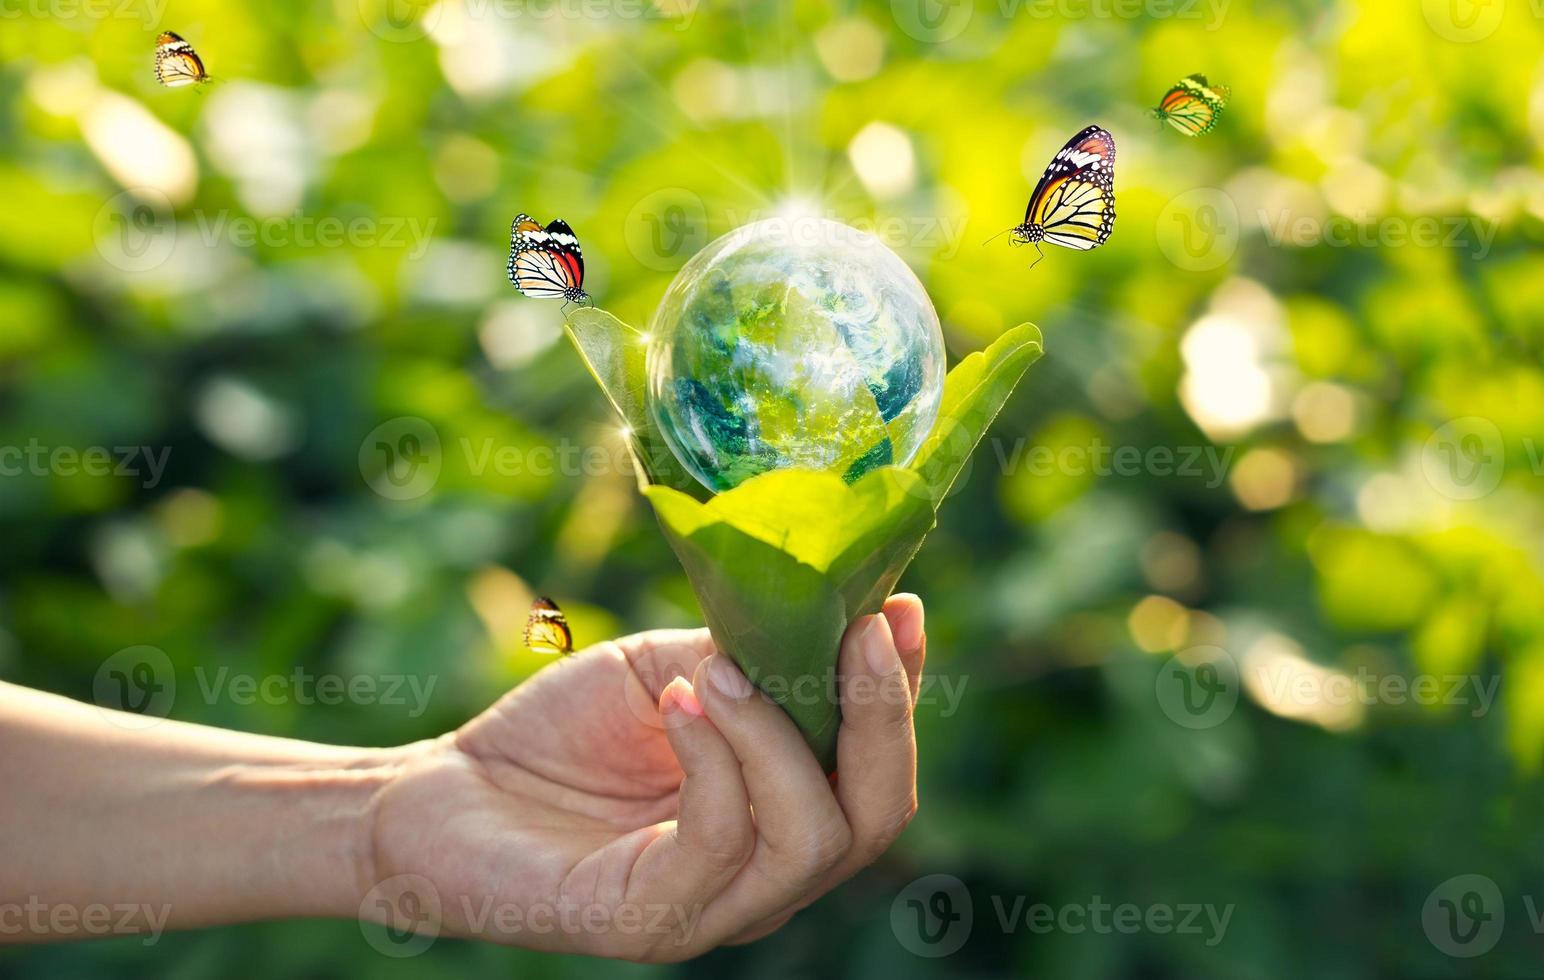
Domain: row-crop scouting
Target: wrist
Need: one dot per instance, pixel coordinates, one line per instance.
(312, 839)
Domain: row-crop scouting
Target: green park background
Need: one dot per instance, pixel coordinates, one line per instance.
(1241, 603)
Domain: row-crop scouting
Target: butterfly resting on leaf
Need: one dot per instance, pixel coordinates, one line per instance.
(546, 263)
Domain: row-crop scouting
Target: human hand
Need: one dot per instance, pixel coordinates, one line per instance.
(613, 807)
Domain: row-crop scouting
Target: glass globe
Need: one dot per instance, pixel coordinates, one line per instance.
(798, 342)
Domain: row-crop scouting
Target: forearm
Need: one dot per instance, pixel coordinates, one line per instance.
(188, 825)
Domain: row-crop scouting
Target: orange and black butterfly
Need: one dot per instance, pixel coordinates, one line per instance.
(546, 263)
(1074, 204)
(176, 63)
(546, 628)
(1192, 105)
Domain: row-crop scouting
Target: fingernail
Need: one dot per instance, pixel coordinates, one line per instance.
(908, 627)
(878, 646)
(679, 696)
(728, 679)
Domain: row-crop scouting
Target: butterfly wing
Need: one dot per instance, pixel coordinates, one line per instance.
(546, 263)
(176, 63)
(521, 228)
(519, 241)
(546, 628)
(1075, 200)
(1217, 95)
(564, 239)
(539, 272)
(1188, 111)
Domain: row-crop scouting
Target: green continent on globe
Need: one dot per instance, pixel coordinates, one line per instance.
(794, 343)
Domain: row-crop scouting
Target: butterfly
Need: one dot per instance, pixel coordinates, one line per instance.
(1074, 204)
(546, 628)
(176, 63)
(1192, 105)
(546, 262)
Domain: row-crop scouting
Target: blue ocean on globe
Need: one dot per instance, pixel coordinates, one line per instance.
(794, 342)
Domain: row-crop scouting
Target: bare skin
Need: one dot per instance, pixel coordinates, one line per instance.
(636, 800)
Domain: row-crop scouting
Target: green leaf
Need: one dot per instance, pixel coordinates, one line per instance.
(773, 615)
(784, 562)
(974, 393)
(615, 354)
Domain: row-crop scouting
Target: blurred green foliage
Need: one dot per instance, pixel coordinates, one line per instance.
(267, 279)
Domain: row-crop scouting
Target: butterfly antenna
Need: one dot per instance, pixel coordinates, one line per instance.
(997, 236)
